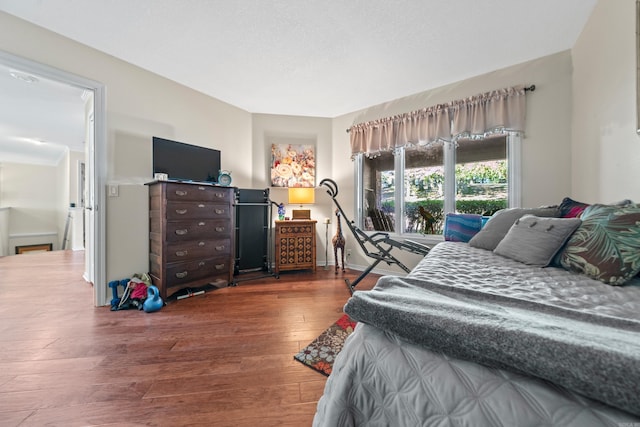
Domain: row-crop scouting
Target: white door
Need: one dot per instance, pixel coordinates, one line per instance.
(89, 196)
(95, 208)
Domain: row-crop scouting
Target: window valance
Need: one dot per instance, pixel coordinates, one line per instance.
(496, 111)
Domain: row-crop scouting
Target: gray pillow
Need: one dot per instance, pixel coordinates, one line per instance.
(499, 224)
(534, 240)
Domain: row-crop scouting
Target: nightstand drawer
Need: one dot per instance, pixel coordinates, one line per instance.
(295, 228)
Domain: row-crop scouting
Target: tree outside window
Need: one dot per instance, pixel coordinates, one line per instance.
(479, 169)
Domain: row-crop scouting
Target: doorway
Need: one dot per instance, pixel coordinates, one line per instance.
(95, 165)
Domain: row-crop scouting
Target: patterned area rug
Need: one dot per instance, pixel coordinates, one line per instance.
(321, 353)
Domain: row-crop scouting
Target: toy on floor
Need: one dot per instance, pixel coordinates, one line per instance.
(115, 300)
(153, 301)
(189, 294)
(134, 293)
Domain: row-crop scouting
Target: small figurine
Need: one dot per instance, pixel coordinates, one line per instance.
(338, 243)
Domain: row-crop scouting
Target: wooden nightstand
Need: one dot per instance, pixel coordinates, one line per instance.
(295, 245)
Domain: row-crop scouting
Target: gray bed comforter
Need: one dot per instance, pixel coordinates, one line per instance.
(558, 336)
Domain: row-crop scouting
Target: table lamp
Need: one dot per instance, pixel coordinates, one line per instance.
(301, 196)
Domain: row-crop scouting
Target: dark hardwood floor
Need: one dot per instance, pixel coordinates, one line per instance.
(224, 358)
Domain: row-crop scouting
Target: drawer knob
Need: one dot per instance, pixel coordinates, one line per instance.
(201, 205)
(219, 211)
(182, 231)
(219, 248)
(219, 266)
(181, 193)
(220, 195)
(201, 188)
(219, 229)
(182, 253)
(182, 274)
(181, 211)
(201, 243)
(201, 223)
(201, 264)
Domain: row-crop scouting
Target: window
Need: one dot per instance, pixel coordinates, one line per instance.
(409, 191)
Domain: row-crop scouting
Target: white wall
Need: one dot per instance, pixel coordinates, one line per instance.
(62, 199)
(4, 230)
(269, 129)
(33, 193)
(39, 198)
(605, 147)
(580, 135)
(139, 105)
(74, 159)
(68, 194)
(546, 148)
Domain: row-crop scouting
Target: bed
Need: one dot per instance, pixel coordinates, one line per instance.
(473, 338)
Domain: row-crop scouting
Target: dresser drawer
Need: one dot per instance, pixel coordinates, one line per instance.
(185, 272)
(198, 249)
(192, 192)
(187, 210)
(295, 228)
(198, 229)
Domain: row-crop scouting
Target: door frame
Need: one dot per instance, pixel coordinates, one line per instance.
(96, 204)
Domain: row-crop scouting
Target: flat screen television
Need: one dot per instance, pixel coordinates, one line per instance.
(185, 162)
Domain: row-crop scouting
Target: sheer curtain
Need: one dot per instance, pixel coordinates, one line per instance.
(498, 111)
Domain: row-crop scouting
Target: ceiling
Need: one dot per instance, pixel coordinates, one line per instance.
(41, 119)
(293, 57)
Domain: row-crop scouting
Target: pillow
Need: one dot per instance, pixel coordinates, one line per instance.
(535, 240)
(461, 227)
(499, 224)
(569, 208)
(606, 246)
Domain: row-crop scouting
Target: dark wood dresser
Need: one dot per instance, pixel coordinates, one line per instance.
(190, 236)
(295, 245)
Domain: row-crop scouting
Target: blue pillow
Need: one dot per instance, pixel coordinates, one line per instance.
(461, 227)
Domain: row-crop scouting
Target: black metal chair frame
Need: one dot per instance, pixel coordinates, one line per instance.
(377, 245)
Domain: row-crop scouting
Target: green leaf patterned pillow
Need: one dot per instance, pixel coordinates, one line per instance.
(606, 246)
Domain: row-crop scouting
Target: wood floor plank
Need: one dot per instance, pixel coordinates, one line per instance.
(23, 367)
(224, 358)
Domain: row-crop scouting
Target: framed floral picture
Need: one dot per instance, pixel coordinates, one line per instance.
(293, 165)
